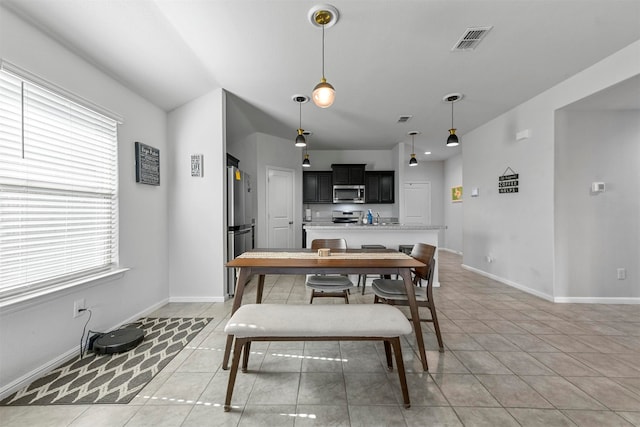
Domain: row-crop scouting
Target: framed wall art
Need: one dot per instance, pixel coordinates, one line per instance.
(456, 194)
(147, 164)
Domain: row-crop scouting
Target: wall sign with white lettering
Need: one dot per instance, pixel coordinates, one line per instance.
(147, 164)
(508, 182)
(197, 165)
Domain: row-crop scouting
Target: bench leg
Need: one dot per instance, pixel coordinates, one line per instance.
(240, 343)
(395, 342)
(243, 278)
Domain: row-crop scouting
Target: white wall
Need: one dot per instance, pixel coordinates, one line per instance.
(517, 230)
(597, 233)
(246, 151)
(40, 334)
(379, 160)
(425, 171)
(453, 211)
(197, 212)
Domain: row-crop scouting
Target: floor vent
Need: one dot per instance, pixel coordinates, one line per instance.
(404, 119)
(471, 38)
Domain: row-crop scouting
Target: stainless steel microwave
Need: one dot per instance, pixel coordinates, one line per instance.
(348, 194)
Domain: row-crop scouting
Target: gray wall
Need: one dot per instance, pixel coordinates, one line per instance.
(198, 209)
(278, 153)
(40, 333)
(453, 211)
(432, 172)
(516, 232)
(597, 233)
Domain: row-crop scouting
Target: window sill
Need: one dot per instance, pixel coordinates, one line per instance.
(17, 302)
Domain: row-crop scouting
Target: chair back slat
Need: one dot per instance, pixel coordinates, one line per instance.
(423, 253)
(329, 243)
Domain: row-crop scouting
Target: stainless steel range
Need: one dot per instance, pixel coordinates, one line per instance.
(346, 217)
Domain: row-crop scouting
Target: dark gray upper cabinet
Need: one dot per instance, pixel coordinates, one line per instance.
(379, 187)
(317, 187)
(348, 174)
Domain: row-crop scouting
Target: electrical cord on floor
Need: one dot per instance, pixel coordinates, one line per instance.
(82, 340)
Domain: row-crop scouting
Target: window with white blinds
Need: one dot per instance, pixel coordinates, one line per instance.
(58, 189)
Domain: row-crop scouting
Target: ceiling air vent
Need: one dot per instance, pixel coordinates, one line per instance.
(404, 119)
(471, 38)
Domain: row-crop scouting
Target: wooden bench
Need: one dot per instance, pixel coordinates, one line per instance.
(287, 322)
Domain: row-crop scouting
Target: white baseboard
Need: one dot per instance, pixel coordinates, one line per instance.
(597, 300)
(450, 250)
(197, 299)
(562, 300)
(510, 283)
(44, 369)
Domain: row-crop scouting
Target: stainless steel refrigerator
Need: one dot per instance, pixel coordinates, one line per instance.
(241, 221)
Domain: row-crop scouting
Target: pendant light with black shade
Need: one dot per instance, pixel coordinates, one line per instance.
(452, 140)
(300, 139)
(323, 16)
(413, 161)
(306, 163)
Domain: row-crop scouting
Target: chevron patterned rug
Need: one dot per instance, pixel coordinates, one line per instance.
(113, 378)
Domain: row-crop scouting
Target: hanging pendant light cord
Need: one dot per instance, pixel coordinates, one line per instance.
(323, 51)
(300, 116)
(451, 114)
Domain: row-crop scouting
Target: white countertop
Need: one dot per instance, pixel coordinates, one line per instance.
(369, 227)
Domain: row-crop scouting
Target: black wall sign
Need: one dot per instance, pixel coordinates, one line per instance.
(147, 164)
(508, 183)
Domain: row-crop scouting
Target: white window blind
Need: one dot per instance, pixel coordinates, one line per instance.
(58, 189)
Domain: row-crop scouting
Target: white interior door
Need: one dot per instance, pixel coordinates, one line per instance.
(416, 203)
(280, 208)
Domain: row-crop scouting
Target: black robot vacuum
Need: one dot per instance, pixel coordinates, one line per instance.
(118, 341)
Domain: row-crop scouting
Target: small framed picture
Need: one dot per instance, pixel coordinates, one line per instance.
(197, 165)
(456, 194)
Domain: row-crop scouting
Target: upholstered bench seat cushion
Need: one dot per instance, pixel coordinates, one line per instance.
(394, 289)
(325, 320)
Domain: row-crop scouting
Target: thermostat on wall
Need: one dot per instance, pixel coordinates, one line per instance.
(597, 187)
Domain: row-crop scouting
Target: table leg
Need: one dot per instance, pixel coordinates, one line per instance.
(237, 302)
(415, 316)
(260, 289)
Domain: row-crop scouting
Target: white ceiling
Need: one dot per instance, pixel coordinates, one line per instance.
(385, 58)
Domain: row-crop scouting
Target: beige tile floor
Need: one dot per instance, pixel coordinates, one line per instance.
(511, 359)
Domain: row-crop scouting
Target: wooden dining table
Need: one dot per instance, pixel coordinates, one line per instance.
(261, 262)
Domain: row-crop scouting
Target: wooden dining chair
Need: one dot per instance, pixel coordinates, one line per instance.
(394, 292)
(329, 285)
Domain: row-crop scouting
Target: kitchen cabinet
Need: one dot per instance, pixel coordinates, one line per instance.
(317, 187)
(379, 187)
(348, 174)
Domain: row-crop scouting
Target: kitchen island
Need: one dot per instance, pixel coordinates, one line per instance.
(389, 235)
